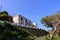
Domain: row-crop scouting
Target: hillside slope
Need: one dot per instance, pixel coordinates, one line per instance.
(9, 32)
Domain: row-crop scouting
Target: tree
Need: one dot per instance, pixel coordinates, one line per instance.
(53, 22)
(5, 17)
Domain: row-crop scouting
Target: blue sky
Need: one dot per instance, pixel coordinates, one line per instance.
(34, 10)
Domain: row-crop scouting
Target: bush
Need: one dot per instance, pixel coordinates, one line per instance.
(10, 32)
(56, 37)
(47, 37)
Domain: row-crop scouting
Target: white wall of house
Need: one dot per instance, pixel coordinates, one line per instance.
(21, 20)
(16, 19)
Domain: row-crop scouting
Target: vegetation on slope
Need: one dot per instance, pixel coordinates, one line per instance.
(47, 37)
(10, 32)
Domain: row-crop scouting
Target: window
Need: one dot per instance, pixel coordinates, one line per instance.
(21, 18)
(26, 22)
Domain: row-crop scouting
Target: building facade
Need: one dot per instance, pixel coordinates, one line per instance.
(22, 21)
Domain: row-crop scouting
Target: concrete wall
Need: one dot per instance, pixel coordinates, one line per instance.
(35, 32)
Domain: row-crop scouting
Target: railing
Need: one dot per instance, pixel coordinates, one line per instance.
(20, 25)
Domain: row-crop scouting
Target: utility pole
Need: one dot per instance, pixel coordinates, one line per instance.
(0, 8)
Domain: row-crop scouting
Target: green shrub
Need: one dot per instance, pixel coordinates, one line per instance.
(56, 37)
(47, 37)
(10, 32)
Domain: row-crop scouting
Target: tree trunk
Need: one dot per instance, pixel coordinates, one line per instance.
(52, 34)
(54, 30)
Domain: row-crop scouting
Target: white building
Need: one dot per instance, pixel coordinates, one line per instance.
(22, 21)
